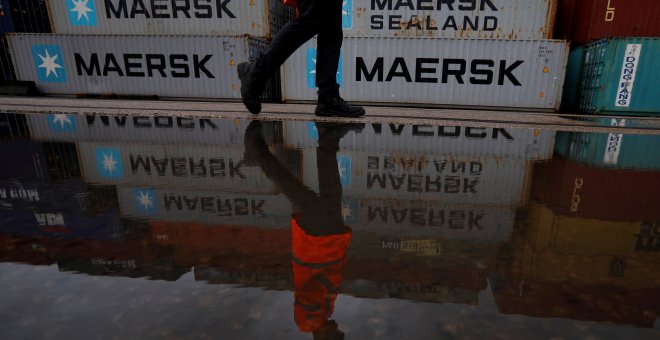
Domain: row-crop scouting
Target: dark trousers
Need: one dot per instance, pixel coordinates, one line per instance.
(317, 17)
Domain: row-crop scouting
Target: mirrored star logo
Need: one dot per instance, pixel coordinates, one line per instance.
(109, 164)
(62, 119)
(145, 200)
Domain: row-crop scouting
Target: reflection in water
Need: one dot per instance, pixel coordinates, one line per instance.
(319, 235)
(483, 225)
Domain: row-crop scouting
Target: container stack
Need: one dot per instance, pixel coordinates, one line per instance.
(613, 66)
(164, 49)
(489, 53)
(19, 16)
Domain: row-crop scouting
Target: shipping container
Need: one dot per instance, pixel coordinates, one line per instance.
(29, 16)
(619, 76)
(165, 66)
(573, 189)
(497, 19)
(582, 21)
(6, 23)
(6, 65)
(57, 224)
(523, 144)
(148, 129)
(415, 176)
(211, 207)
(450, 72)
(570, 99)
(257, 18)
(417, 219)
(613, 150)
(22, 159)
(172, 166)
(547, 231)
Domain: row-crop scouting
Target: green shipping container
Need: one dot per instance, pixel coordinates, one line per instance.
(619, 76)
(613, 150)
(570, 99)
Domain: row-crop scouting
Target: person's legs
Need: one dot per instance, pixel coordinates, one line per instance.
(253, 76)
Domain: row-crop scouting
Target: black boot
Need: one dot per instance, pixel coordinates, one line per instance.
(252, 86)
(330, 104)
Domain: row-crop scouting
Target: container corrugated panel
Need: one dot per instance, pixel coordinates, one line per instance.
(30, 16)
(429, 218)
(172, 166)
(582, 21)
(492, 19)
(149, 129)
(258, 18)
(6, 24)
(570, 100)
(414, 176)
(527, 144)
(168, 66)
(573, 189)
(614, 150)
(620, 75)
(454, 72)
(6, 65)
(213, 207)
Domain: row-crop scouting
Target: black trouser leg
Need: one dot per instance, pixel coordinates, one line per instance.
(293, 35)
(328, 49)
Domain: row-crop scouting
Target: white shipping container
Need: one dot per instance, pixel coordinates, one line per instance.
(419, 219)
(419, 176)
(172, 166)
(527, 144)
(148, 129)
(484, 19)
(522, 74)
(211, 207)
(167, 66)
(258, 18)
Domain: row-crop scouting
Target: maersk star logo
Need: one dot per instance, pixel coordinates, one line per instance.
(108, 163)
(349, 210)
(344, 167)
(347, 14)
(81, 12)
(62, 122)
(49, 63)
(145, 200)
(311, 69)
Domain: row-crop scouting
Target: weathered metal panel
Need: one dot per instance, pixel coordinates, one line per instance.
(620, 76)
(212, 207)
(491, 19)
(258, 18)
(582, 21)
(132, 65)
(148, 129)
(525, 144)
(458, 72)
(172, 166)
(415, 176)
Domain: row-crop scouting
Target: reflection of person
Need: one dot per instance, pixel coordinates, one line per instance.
(319, 235)
(316, 17)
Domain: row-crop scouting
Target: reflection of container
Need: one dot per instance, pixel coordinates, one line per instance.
(176, 205)
(151, 129)
(167, 66)
(504, 19)
(524, 74)
(22, 159)
(414, 176)
(172, 166)
(524, 144)
(573, 189)
(621, 151)
(619, 76)
(582, 21)
(262, 18)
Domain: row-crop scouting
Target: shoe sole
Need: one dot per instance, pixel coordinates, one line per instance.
(339, 114)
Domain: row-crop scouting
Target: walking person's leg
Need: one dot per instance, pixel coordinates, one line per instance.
(253, 76)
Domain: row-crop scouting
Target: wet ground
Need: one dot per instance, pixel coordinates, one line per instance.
(189, 220)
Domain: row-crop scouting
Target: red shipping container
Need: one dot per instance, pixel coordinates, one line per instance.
(581, 21)
(576, 190)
